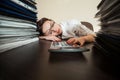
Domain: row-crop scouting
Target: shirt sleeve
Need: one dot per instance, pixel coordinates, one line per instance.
(82, 30)
(74, 28)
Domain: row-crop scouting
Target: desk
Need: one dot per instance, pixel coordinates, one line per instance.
(34, 62)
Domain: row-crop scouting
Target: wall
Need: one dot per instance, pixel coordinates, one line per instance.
(58, 10)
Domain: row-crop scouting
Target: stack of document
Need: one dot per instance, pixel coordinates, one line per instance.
(17, 23)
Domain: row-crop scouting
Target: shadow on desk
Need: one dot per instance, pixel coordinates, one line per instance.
(66, 57)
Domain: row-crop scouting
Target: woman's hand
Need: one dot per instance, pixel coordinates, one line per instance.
(52, 38)
(81, 40)
(74, 41)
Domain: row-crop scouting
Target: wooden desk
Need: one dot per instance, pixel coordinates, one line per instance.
(34, 62)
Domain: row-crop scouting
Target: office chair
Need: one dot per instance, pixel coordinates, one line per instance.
(88, 25)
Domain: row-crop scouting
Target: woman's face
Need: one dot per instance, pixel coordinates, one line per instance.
(51, 28)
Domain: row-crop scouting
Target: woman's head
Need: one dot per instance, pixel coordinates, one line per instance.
(40, 24)
(48, 27)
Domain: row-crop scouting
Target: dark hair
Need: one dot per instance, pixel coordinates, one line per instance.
(40, 24)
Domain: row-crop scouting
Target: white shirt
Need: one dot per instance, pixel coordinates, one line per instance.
(73, 28)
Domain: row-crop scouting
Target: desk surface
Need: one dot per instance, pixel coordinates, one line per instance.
(34, 62)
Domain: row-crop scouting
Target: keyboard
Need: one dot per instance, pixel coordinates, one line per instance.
(64, 47)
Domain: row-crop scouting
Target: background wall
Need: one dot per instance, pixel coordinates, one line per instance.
(59, 10)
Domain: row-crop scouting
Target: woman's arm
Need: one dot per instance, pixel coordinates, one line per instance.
(81, 40)
(51, 38)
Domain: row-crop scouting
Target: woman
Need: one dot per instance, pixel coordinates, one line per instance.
(73, 30)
